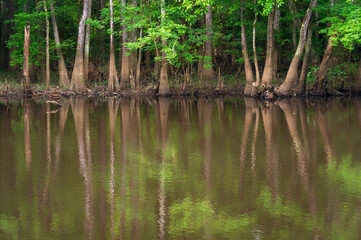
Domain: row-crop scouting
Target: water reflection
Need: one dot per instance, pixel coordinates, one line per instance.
(180, 168)
(80, 113)
(27, 113)
(272, 169)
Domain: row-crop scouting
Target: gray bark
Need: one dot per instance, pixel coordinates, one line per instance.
(87, 45)
(78, 81)
(47, 77)
(63, 73)
(292, 73)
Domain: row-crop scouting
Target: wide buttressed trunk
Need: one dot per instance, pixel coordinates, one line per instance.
(78, 80)
(247, 63)
(208, 73)
(322, 72)
(113, 83)
(87, 45)
(163, 80)
(63, 73)
(291, 77)
(268, 69)
(321, 78)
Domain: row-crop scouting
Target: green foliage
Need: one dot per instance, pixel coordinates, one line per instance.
(9, 226)
(345, 176)
(268, 5)
(16, 41)
(337, 74)
(194, 217)
(311, 75)
(345, 24)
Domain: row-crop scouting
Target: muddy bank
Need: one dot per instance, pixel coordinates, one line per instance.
(58, 93)
(55, 93)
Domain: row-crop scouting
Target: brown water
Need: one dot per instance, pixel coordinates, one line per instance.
(180, 169)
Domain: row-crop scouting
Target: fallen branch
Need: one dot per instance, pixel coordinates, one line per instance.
(54, 102)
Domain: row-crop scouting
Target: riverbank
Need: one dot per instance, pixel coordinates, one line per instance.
(40, 91)
(53, 93)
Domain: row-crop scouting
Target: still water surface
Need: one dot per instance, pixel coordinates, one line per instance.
(180, 169)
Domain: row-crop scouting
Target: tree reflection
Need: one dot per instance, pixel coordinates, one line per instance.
(205, 108)
(27, 139)
(178, 175)
(48, 153)
(163, 104)
(113, 105)
(291, 119)
(125, 127)
(320, 112)
(272, 171)
(205, 112)
(248, 117)
(357, 104)
(63, 116)
(255, 111)
(80, 113)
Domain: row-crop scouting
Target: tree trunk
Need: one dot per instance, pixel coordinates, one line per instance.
(268, 69)
(200, 63)
(156, 68)
(255, 85)
(357, 84)
(133, 56)
(233, 56)
(47, 77)
(247, 63)
(63, 73)
(78, 81)
(147, 60)
(276, 27)
(26, 73)
(137, 76)
(301, 88)
(125, 69)
(113, 83)
(285, 88)
(322, 72)
(163, 81)
(294, 34)
(321, 78)
(208, 71)
(87, 45)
